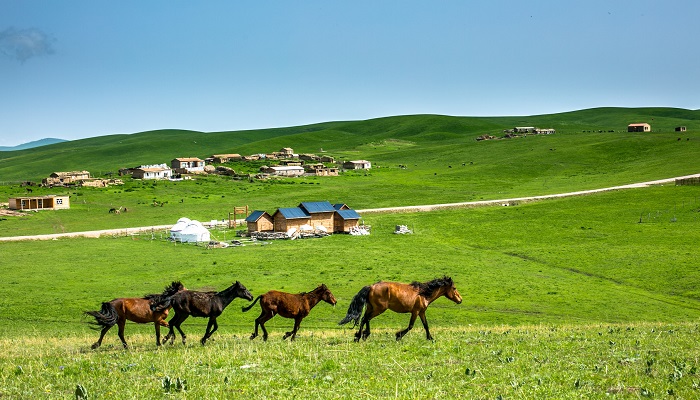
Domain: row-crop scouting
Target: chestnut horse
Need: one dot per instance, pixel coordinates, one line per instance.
(288, 305)
(411, 298)
(200, 304)
(118, 311)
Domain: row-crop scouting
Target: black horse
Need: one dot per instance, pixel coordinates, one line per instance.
(200, 304)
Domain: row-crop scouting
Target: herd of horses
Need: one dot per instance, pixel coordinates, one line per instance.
(413, 298)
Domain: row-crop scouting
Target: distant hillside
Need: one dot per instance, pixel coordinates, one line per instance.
(31, 145)
(434, 134)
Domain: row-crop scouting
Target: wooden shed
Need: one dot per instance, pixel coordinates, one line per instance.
(285, 219)
(321, 212)
(260, 221)
(345, 219)
(50, 202)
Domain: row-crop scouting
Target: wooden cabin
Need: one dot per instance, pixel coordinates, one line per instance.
(345, 219)
(321, 212)
(260, 221)
(49, 202)
(285, 219)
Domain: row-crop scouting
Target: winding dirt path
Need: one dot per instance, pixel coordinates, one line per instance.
(423, 208)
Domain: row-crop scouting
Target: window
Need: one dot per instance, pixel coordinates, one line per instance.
(59, 202)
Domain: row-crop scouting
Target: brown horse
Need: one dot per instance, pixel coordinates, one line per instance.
(200, 304)
(288, 305)
(411, 298)
(118, 311)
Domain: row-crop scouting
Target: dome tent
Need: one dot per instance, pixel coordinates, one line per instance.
(189, 231)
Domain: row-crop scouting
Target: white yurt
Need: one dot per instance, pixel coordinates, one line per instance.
(189, 231)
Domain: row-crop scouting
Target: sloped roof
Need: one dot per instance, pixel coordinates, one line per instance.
(339, 206)
(255, 216)
(348, 214)
(293, 213)
(317, 206)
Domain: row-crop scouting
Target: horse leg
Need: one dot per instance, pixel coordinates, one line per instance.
(264, 317)
(425, 325)
(365, 320)
(210, 331)
(373, 313)
(258, 322)
(157, 326)
(184, 337)
(98, 343)
(400, 334)
(293, 333)
(120, 323)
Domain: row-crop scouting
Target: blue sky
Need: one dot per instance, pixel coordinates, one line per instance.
(75, 69)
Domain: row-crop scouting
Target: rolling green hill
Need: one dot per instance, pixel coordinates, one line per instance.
(444, 164)
(109, 153)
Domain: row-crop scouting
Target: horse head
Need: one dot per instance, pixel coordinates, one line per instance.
(452, 294)
(242, 292)
(326, 295)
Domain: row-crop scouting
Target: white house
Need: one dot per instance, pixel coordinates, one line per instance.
(284, 170)
(357, 164)
(158, 171)
(187, 165)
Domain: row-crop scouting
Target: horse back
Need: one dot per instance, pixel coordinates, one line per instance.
(196, 304)
(396, 296)
(287, 305)
(137, 310)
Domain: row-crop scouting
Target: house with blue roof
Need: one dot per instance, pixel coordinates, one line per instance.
(285, 219)
(321, 212)
(310, 215)
(260, 221)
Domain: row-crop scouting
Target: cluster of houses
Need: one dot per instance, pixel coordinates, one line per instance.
(519, 131)
(288, 163)
(319, 215)
(77, 178)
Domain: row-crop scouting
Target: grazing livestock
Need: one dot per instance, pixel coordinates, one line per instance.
(296, 306)
(118, 311)
(200, 304)
(411, 298)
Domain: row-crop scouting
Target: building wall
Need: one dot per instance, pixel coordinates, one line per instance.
(342, 225)
(40, 203)
(262, 225)
(323, 219)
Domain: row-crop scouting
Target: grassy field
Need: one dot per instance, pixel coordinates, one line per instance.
(444, 162)
(587, 297)
(566, 298)
(477, 362)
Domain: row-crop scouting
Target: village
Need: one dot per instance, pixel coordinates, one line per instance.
(308, 219)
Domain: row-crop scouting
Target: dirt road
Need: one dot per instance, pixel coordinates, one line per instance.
(424, 208)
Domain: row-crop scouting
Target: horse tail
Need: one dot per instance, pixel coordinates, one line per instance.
(106, 317)
(356, 305)
(251, 304)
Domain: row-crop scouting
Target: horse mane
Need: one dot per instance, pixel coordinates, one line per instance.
(320, 288)
(174, 287)
(427, 289)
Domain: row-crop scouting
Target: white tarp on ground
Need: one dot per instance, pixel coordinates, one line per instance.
(189, 231)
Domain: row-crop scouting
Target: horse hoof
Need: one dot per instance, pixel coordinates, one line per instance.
(94, 346)
(252, 337)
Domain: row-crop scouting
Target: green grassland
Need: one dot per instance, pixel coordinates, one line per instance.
(444, 162)
(593, 296)
(564, 298)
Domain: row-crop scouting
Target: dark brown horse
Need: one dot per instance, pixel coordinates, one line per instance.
(411, 298)
(201, 304)
(288, 305)
(118, 311)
